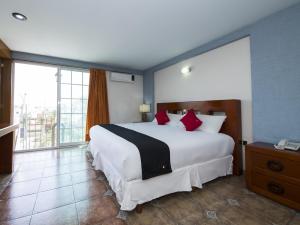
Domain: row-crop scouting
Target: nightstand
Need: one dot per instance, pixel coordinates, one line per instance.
(274, 173)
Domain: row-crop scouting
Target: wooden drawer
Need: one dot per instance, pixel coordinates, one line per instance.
(282, 191)
(276, 165)
(274, 174)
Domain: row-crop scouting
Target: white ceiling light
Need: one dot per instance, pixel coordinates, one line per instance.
(19, 16)
(186, 70)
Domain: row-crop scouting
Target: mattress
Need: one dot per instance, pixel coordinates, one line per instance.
(186, 148)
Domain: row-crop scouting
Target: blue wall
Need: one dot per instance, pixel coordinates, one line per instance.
(275, 65)
(275, 55)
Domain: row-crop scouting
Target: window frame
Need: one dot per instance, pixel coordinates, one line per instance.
(59, 69)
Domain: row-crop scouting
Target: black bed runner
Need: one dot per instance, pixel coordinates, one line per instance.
(155, 154)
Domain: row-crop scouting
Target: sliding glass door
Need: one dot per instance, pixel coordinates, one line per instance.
(50, 105)
(73, 105)
(35, 106)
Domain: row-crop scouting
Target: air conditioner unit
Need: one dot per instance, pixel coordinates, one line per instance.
(122, 77)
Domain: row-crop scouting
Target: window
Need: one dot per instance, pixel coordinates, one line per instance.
(50, 104)
(73, 105)
(35, 106)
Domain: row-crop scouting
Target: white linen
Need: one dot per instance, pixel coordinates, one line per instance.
(174, 119)
(131, 193)
(186, 148)
(211, 123)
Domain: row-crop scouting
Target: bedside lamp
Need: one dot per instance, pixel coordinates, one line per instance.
(144, 108)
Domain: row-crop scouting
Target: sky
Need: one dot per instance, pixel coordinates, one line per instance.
(36, 85)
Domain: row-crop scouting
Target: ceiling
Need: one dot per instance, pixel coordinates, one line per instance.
(136, 34)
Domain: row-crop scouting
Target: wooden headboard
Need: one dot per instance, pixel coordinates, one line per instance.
(232, 125)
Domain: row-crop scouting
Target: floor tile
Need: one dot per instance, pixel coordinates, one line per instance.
(27, 175)
(267, 209)
(57, 162)
(96, 210)
(207, 199)
(295, 220)
(150, 215)
(62, 160)
(113, 221)
(65, 215)
(2, 188)
(77, 159)
(83, 176)
(80, 166)
(21, 189)
(57, 170)
(240, 216)
(33, 166)
(54, 198)
(225, 190)
(82, 154)
(49, 183)
(65, 153)
(31, 157)
(89, 189)
(69, 178)
(16, 207)
(20, 221)
(181, 206)
(5, 178)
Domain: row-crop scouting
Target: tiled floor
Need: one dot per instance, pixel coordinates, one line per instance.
(61, 187)
(56, 187)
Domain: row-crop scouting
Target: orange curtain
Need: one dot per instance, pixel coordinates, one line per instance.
(97, 110)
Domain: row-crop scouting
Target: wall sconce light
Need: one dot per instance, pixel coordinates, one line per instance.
(186, 70)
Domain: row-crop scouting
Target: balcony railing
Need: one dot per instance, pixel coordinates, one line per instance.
(38, 131)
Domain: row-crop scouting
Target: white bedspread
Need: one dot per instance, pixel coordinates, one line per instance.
(186, 148)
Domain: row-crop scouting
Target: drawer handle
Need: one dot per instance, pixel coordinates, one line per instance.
(275, 188)
(275, 165)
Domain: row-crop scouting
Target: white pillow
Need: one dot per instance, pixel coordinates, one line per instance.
(174, 120)
(210, 123)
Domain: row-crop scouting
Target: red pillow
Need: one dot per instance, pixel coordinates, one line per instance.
(162, 117)
(190, 121)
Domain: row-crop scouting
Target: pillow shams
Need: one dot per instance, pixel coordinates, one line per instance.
(162, 118)
(191, 121)
(211, 124)
(174, 120)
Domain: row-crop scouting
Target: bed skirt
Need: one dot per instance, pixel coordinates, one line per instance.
(131, 193)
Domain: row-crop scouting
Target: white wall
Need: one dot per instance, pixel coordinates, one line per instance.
(222, 73)
(124, 100)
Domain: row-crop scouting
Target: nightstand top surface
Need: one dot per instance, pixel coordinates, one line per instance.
(270, 147)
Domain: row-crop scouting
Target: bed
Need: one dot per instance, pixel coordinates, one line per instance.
(196, 157)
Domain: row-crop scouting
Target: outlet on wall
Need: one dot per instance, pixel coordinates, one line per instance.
(243, 142)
